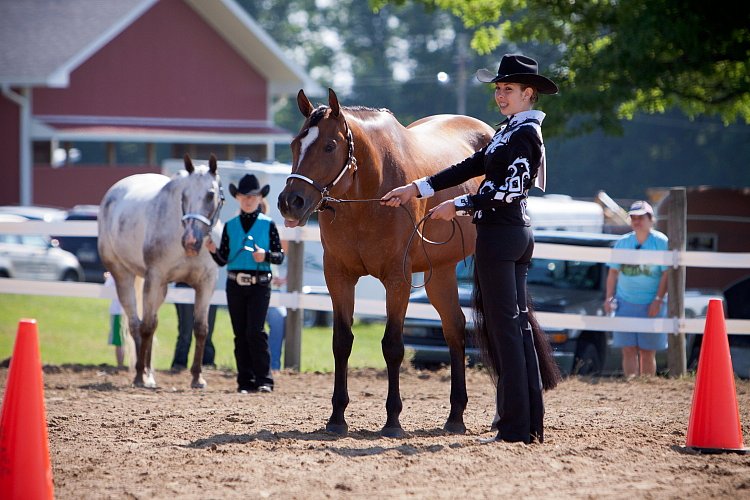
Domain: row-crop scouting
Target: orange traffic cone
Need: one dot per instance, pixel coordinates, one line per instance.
(715, 418)
(25, 470)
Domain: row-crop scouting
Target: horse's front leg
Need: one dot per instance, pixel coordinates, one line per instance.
(342, 297)
(154, 292)
(396, 301)
(200, 331)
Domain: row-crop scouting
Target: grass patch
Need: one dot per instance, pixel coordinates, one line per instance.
(74, 331)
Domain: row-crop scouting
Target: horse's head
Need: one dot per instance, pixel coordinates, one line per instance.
(322, 154)
(202, 199)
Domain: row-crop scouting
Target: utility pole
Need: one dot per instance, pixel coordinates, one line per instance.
(462, 57)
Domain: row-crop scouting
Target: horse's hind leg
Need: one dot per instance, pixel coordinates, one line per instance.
(443, 293)
(342, 297)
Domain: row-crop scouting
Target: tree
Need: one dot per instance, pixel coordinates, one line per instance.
(616, 58)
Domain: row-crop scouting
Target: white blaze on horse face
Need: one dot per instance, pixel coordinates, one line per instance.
(305, 142)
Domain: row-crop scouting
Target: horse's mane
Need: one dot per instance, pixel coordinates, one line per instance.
(320, 111)
(199, 169)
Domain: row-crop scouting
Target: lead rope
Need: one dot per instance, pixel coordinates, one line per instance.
(422, 222)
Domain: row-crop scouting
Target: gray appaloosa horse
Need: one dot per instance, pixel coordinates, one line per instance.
(152, 227)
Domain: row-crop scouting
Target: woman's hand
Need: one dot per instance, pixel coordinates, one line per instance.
(400, 195)
(259, 254)
(211, 246)
(654, 308)
(609, 306)
(445, 211)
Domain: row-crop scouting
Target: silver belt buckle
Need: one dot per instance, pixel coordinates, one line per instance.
(245, 279)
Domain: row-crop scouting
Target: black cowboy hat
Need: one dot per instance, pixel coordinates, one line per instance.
(516, 68)
(249, 185)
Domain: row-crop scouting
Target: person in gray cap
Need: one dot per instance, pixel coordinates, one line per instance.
(638, 290)
(512, 163)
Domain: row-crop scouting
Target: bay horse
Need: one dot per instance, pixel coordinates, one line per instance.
(358, 153)
(152, 227)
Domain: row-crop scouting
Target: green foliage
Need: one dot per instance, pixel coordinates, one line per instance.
(74, 331)
(617, 58)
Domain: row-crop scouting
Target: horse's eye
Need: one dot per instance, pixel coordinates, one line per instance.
(210, 195)
(329, 147)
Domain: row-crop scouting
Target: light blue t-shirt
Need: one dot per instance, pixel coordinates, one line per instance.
(638, 283)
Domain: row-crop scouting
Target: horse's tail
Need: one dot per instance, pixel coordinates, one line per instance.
(548, 369)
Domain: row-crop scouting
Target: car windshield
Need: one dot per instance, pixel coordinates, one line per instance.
(568, 274)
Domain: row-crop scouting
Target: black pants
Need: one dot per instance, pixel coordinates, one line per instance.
(247, 307)
(185, 319)
(503, 255)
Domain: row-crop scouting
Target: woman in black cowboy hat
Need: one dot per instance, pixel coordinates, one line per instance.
(249, 245)
(512, 163)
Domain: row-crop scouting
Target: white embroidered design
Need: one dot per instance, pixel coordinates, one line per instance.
(514, 182)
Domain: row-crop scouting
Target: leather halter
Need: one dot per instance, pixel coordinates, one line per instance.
(214, 217)
(351, 163)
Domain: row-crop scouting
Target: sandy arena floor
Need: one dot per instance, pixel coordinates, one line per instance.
(604, 438)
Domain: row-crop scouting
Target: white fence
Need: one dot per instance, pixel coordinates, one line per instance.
(296, 300)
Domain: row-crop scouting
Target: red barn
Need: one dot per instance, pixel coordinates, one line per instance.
(95, 91)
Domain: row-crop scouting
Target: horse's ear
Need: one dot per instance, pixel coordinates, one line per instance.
(212, 164)
(304, 104)
(189, 164)
(333, 102)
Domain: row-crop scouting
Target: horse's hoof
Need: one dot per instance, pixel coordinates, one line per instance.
(392, 432)
(340, 429)
(199, 384)
(455, 427)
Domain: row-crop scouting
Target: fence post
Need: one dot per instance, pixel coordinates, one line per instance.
(676, 230)
(294, 317)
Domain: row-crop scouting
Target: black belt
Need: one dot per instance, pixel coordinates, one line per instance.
(246, 279)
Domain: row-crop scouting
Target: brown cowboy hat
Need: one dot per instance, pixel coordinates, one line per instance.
(515, 68)
(249, 185)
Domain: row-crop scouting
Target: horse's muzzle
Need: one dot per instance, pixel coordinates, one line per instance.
(192, 239)
(295, 208)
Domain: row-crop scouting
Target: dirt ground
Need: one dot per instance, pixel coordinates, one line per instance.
(604, 438)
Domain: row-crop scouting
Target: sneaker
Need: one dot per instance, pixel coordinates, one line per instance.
(245, 390)
(265, 388)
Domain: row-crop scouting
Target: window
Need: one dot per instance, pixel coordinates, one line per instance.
(702, 242)
(131, 153)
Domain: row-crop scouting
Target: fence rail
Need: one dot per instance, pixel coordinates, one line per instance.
(322, 302)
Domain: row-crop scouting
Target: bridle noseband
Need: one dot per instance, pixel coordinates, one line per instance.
(351, 164)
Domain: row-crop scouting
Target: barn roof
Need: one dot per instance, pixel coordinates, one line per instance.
(43, 41)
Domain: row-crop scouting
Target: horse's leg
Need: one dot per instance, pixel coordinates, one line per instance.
(396, 301)
(154, 292)
(341, 289)
(126, 293)
(442, 290)
(200, 331)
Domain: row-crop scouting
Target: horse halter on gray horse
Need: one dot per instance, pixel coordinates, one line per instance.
(351, 163)
(214, 217)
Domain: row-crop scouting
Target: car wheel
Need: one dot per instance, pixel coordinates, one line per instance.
(588, 361)
(70, 275)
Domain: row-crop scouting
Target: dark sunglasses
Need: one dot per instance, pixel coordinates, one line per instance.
(638, 246)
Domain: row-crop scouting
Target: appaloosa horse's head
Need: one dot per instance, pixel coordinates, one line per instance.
(322, 155)
(202, 199)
